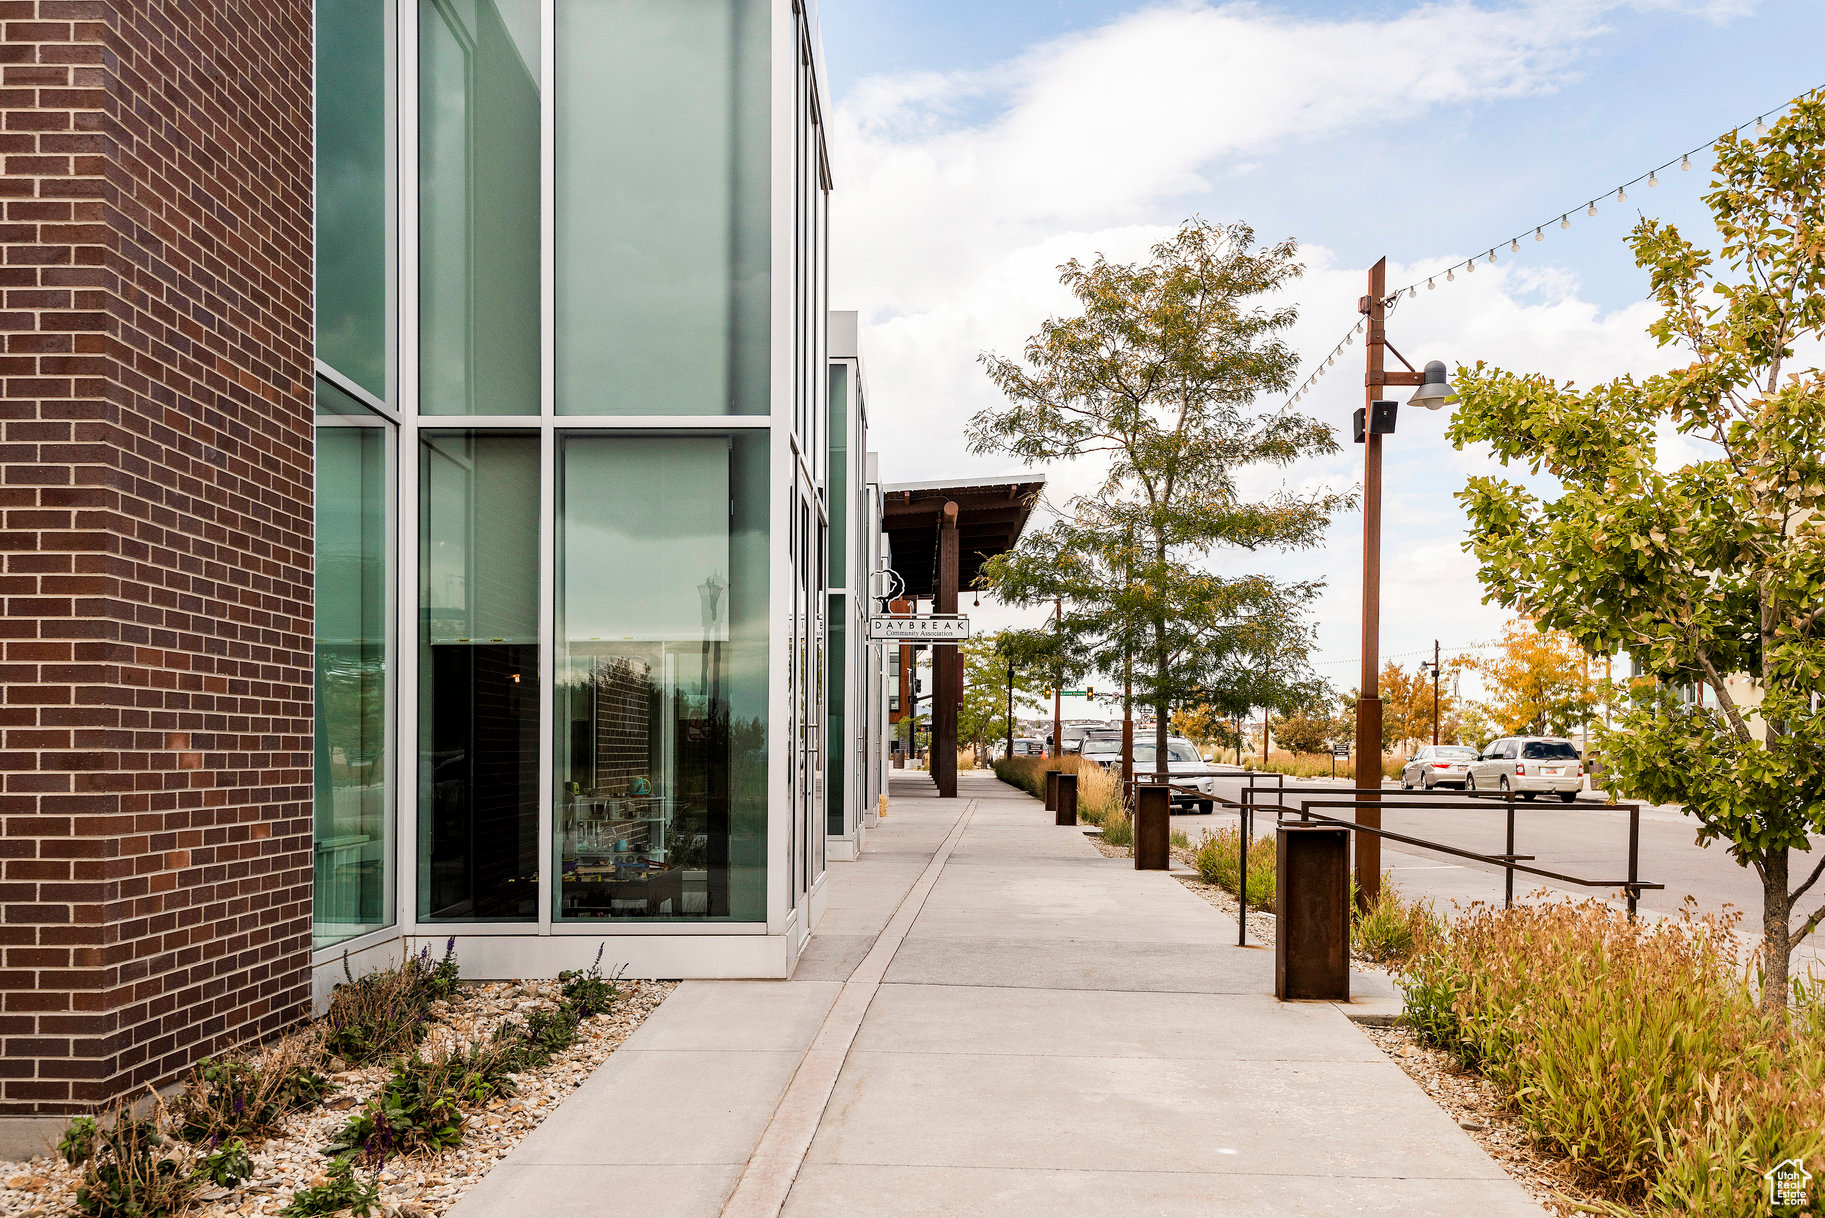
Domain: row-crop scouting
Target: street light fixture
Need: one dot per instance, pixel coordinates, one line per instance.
(1376, 419)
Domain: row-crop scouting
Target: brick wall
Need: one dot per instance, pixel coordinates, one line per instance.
(155, 537)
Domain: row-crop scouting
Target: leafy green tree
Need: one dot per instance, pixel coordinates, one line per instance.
(1540, 682)
(1700, 565)
(982, 717)
(1156, 373)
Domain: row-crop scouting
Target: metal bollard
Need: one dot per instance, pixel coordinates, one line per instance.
(1312, 937)
(1051, 790)
(1153, 828)
(1066, 813)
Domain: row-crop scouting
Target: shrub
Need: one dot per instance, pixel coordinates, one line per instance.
(251, 1093)
(128, 1170)
(1636, 1051)
(1217, 858)
(419, 1110)
(78, 1141)
(588, 990)
(1118, 830)
(1393, 928)
(341, 1190)
(383, 1013)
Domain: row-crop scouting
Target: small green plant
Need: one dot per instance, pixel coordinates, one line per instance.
(1217, 858)
(342, 1190)
(587, 990)
(1179, 840)
(227, 1165)
(129, 1171)
(418, 1111)
(78, 1141)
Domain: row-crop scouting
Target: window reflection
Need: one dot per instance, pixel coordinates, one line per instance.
(660, 748)
(353, 519)
(479, 678)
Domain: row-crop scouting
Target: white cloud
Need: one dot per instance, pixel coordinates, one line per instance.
(959, 193)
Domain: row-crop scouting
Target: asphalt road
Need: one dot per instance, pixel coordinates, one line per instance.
(1587, 839)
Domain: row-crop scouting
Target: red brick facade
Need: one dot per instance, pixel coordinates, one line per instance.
(155, 537)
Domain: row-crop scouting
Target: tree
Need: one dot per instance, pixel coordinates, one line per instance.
(1311, 731)
(1540, 682)
(1706, 565)
(1206, 726)
(982, 716)
(1156, 373)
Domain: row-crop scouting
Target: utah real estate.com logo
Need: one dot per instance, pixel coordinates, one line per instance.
(1787, 1183)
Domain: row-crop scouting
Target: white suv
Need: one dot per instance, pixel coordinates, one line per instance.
(1528, 766)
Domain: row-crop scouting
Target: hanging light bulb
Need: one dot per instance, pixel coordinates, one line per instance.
(1430, 286)
(1565, 221)
(1622, 196)
(1470, 266)
(1492, 255)
(1593, 208)
(1413, 292)
(1685, 162)
(978, 598)
(1514, 247)
(1760, 126)
(1451, 275)
(1653, 178)
(1538, 235)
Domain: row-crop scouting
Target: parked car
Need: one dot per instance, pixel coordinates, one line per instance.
(1437, 765)
(1182, 757)
(1528, 766)
(1028, 746)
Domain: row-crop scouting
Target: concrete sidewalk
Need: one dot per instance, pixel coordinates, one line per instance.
(994, 1019)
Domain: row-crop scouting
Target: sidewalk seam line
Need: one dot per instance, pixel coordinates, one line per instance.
(773, 1168)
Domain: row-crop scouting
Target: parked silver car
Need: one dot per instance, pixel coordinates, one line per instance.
(1182, 757)
(1528, 766)
(1437, 765)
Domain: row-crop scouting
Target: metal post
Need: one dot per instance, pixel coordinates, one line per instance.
(1634, 858)
(1508, 862)
(1010, 708)
(1242, 884)
(1058, 683)
(947, 663)
(1067, 800)
(1368, 704)
(1153, 828)
(1435, 697)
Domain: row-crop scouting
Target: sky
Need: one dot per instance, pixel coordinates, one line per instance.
(975, 146)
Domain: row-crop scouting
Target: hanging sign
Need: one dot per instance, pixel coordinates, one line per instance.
(926, 628)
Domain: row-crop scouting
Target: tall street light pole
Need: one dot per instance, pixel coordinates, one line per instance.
(1375, 419)
(1058, 682)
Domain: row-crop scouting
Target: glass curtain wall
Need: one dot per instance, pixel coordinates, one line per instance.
(354, 528)
(662, 677)
(355, 512)
(663, 223)
(478, 209)
(478, 695)
(839, 606)
(354, 188)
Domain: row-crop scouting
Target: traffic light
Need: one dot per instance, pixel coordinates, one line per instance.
(1089, 692)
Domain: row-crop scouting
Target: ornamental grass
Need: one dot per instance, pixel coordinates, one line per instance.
(1636, 1051)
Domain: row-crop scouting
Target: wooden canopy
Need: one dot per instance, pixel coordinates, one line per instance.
(991, 513)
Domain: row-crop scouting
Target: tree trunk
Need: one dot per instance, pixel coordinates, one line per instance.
(1777, 932)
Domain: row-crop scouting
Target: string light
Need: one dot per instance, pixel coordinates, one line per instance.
(1451, 276)
(1652, 177)
(1430, 286)
(1470, 267)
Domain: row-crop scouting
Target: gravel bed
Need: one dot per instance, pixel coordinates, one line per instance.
(44, 1187)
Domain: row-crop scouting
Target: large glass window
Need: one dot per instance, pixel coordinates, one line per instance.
(839, 476)
(478, 735)
(351, 860)
(662, 207)
(838, 762)
(478, 210)
(662, 677)
(355, 188)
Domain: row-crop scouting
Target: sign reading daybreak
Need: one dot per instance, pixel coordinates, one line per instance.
(929, 628)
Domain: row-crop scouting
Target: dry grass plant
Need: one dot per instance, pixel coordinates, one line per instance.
(1635, 1050)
